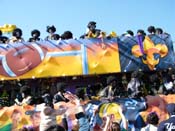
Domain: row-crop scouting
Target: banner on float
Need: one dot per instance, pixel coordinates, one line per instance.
(58, 58)
(153, 52)
(85, 57)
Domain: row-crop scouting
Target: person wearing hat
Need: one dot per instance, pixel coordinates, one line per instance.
(169, 124)
(26, 96)
(129, 33)
(111, 90)
(134, 85)
(61, 89)
(141, 32)
(51, 30)
(151, 30)
(159, 31)
(67, 35)
(92, 32)
(3, 39)
(35, 36)
(17, 36)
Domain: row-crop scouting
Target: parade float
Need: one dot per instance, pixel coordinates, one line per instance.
(83, 57)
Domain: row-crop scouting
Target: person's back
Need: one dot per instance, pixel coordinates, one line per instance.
(169, 124)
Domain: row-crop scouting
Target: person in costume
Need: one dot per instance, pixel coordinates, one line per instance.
(17, 36)
(67, 35)
(3, 39)
(92, 32)
(52, 35)
(35, 36)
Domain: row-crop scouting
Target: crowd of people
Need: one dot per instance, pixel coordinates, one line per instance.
(47, 92)
(92, 32)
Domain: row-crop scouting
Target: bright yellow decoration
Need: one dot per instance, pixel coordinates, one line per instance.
(7, 28)
(113, 34)
(103, 60)
(65, 60)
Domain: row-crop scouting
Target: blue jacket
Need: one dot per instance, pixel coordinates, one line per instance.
(83, 122)
(167, 125)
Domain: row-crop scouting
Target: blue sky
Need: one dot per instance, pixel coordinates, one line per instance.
(117, 15)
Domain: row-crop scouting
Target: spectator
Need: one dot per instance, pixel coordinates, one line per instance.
(169, 124)
(26, 96)
(134, 85)
(51, 30)
(113, 89)
(3, 39)
(17, 36)
(167, 82)
(79, 112)
(151, 30)
(67, 35)
(56, 37)
(35, 36)
(159, 31)
(152, 120)
(155, 85)
(81, 93)
(92, 31)
(61, 89)
(129, 33)
(48, 113)
(141, 32)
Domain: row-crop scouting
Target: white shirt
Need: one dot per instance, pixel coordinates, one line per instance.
(47, 120)
(149, 127)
